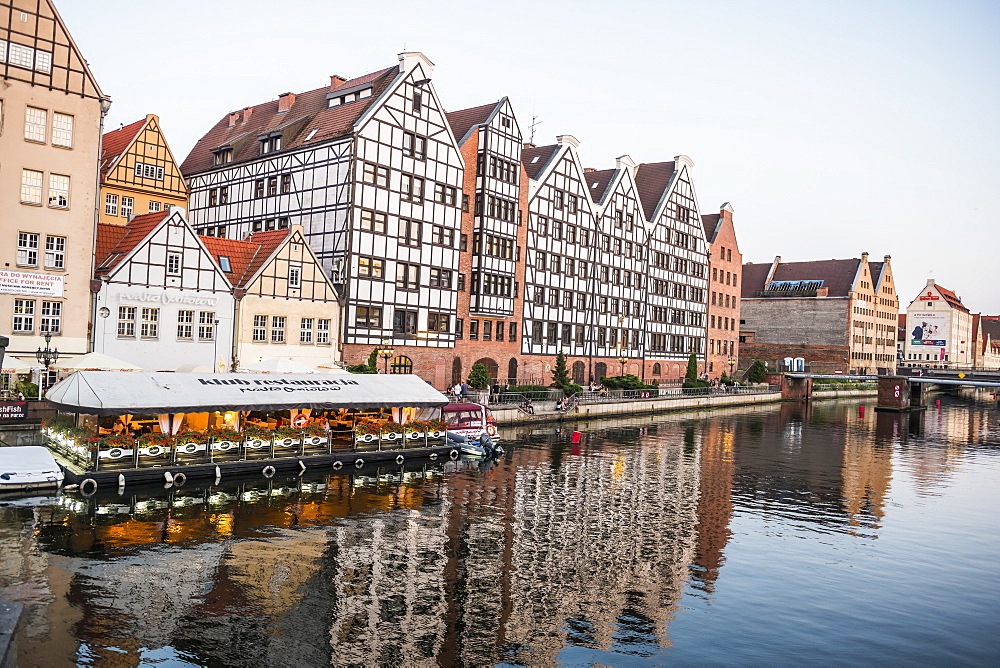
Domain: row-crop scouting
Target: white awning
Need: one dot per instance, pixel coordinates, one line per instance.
(117, 393)
(95, 362)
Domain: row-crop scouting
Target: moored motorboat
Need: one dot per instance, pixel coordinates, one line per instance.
(25, 467)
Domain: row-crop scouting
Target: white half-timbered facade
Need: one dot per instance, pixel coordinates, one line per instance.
(161, 301)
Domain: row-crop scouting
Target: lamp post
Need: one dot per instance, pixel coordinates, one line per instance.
(386, 352)
(621, 360)
(46, 357)
(732, 365)
(4, 342)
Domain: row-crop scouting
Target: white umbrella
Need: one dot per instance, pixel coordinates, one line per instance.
(332, 368)
(14, 365)
(95, 362)
(193, 368)
(278, 365)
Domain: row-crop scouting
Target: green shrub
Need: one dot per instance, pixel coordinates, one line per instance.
(757, 372)
(479, 377)
(528, 388)
(626, 382)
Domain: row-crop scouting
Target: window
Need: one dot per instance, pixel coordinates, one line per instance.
(440, 278)
(154, 206)
(412, 188)
(487, 330)
(294, 276)
(558, 199)
(270, 144)
(373, 221)
(27, 249)
(35, 121)
(259, 328)
(51, 320)
(371, 267)
(185, 325)
(277, 329)
(31, 186)
(442, 236)
(223, 156)
(499, 330)
(414, 145)
(126, 322)
(225, 264)
(24, 316)
(286, 184)
(473, 330)
(306, 331)
(407, 276)
(458, 328)
(145, 170)
(55, 252)
(375, 174)
(461, 283)
(173, 264)
(418, 101)
(213, 197)
(323, 332)
(438, 322)
(404, 323)
(571, 204)
(513, 331)
(409, 232)
(540, 261)
(128, 203)
(368, 316)
(206, 325)
(149, 328)
(58, 191)
(62, 130)
(224, 195)
(551, 336)
(272, 186)
(258, 188)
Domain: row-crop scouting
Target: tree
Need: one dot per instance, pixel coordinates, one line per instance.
(371, 366)
(561, 379)
(692, 370)
(757, 372)
(479, 377)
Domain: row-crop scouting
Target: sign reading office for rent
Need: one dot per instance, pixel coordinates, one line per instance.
(34, 285)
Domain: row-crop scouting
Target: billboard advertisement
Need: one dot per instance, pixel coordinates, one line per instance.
(929, 329)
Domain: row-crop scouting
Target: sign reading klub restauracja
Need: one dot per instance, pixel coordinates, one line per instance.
(26, 283)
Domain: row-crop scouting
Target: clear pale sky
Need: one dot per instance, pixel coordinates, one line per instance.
(832, 128)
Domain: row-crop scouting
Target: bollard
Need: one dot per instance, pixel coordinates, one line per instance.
(937, 403)
(577, 436)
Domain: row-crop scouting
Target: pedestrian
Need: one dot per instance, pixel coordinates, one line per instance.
(457, 391)
(465, 390)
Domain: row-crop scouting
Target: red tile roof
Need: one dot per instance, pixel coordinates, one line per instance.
(463, 120)
(598, 182)
(245, 257)
(114, 143)
(128, 238)
(651, 181)
(953, 300)
(309, 111)
(536, 158)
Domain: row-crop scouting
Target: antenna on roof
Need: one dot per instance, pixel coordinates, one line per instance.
(534, 122)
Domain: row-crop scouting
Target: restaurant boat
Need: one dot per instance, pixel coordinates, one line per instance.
(126, 427)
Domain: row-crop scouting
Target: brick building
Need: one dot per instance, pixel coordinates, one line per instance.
(838, 315)
(725, 269)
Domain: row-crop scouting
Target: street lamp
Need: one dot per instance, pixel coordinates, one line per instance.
(386, 352)
(4, 342)
(621, 360)
(46, 357)
(732, 365)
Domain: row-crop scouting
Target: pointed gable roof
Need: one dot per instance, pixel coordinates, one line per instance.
(710, 223)
(246, 257)
(464, 120)
(651, 181)
(599, 183)
(137, 229)
(309, 111)
(535, 158)
(953, 300)
(116, 142)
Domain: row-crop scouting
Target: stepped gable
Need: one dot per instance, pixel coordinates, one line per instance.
(598, 183)
(535, 158)
(136, 230)
(114, 143)
(309, 111)
(651, 181)
(464, 120)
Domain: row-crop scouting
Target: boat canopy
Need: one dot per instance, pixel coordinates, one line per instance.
(142, 392)
(470, 407)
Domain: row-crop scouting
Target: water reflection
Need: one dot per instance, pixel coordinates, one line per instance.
(559, 551)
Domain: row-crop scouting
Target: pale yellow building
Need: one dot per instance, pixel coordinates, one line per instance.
(138, 173)
(50, 129)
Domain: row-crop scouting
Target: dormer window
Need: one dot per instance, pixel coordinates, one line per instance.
(223, 155)
(337, 99)
(270, 143)
(225, 265)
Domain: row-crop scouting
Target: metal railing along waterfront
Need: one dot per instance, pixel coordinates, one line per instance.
(670, 393)
(834, 387)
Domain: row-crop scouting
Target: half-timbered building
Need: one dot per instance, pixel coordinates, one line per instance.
(491, 270)
(286, 305)
(161, 301)
(370, 169)
(138, 173)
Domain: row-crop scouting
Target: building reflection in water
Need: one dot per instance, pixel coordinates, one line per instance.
(591, 545)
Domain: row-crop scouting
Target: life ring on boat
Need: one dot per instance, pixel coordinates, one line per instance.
(399, 459)
(85, 484)
(300, 421)
(268, 471)
(433, 455)
(359, 462)
(179, 479)
(338, 465)
(453, 454)
(491, 430)
(116, 453)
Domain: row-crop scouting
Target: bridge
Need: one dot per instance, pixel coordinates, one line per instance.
(895, 393)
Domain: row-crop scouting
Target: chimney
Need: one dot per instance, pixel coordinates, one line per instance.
(588, 170)
(285, 102)
(233, 117)
(336, 80)
(887, 258)
(864, 257)
(246, 114)
(529, 144)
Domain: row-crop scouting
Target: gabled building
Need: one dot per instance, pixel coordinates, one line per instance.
(726, 268)
(491, 242)
(51, 109)
(837, 315)
(286, 305)
(138, 173)
(940, 329)
(986, 342)
(160, 299)
(370, 168)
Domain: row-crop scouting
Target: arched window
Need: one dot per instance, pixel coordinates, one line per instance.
(456, 371)
(579, 368)
(492, 368)
(401, 364)
(512, 371)
(656, 369)
(601, 371)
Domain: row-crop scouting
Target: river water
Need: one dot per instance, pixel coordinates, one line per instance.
(782, 534)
